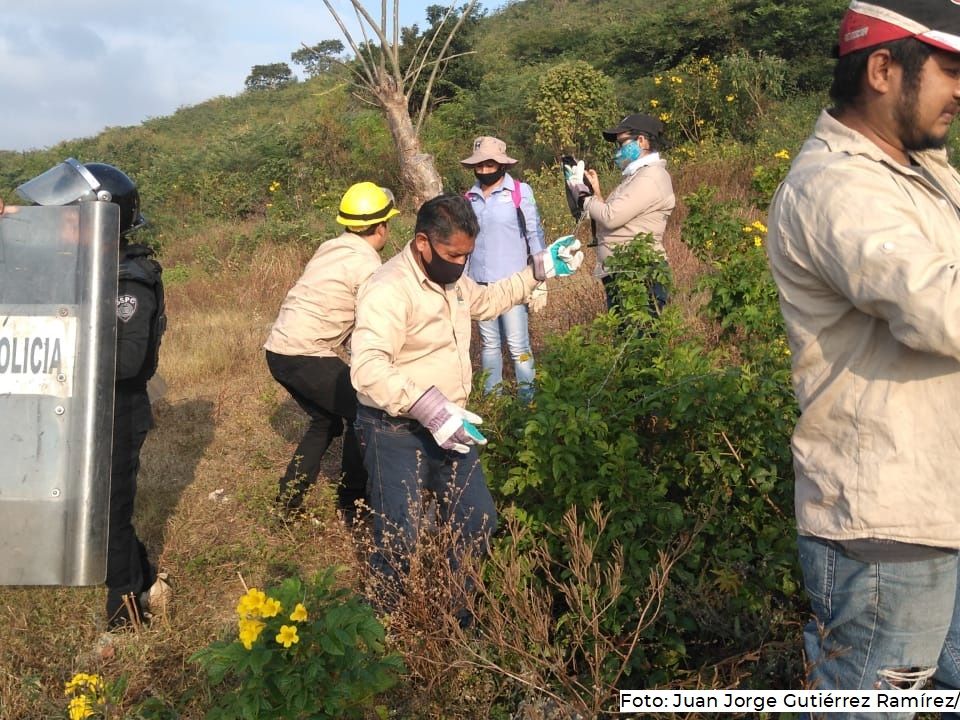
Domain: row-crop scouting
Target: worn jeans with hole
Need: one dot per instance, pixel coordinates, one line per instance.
(879, 625)
(403, 462)
(511, 326)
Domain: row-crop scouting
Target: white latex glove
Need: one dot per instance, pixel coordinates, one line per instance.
(573, 174)
(538, 298)
(453, 427)
(561, 258)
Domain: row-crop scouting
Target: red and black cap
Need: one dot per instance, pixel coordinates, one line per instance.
(866, 24)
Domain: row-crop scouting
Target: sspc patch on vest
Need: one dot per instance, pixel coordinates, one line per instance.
(126, 307)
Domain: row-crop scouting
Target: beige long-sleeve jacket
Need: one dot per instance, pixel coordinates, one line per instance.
(866, 254)
(412, 333)
(641, 203)
(317, 314)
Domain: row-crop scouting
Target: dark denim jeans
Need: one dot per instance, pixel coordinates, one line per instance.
(403, 461)
(883, 626)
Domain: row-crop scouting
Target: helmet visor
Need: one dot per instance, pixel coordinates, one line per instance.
(63, 184)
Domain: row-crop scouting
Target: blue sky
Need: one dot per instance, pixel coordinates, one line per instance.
(72, 69)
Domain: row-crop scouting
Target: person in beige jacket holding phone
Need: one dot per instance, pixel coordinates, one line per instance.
(640, 204)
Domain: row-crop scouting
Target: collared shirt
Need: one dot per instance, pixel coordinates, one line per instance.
(501, 249)
(865, 252)
(412, 333)
(317, 314)
(641, 203)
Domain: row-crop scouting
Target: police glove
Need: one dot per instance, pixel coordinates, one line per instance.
(573, 174)
(451, 426)
(561, 258)
(538, 298)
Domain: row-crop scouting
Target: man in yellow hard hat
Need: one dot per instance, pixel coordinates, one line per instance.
(315, 321)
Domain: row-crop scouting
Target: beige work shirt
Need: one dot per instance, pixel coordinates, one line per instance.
(317, 314)
(640, 204)
(412, 333)
(866, 255)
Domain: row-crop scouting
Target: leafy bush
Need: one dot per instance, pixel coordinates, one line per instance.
(743, 296)
(702, 99)
(675, 440)
(301, 650)
(572, 104)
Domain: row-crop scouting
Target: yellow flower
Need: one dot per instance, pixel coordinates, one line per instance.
(80, 708)
(274, 186)
(664, 117)
(287, 635)
(759, 226)
(730, 98)
(757, 241)
(83, 682)
(249, 632)
(657, 80)
(654, 103)
(747, 228)
(782, 155)
(251, 604)
(677, 80)
(299, 613)
(270, 608)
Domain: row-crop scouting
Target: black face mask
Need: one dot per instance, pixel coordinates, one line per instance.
(442, 272)
(491, 178)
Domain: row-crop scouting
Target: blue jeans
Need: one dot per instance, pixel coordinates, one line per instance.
(403, 461)
(883, 626)
(511, 325)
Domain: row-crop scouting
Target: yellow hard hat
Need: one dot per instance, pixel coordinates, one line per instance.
(365, 204)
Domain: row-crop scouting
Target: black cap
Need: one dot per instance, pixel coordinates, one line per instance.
(636, 123)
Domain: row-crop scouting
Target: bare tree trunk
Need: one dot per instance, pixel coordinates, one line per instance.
(417, 170)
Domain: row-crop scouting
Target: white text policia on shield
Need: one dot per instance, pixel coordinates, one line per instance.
(30, 356)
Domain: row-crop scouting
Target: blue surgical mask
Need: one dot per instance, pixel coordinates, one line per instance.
(627, 153)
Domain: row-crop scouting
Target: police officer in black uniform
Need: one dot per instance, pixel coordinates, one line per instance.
(141, 320)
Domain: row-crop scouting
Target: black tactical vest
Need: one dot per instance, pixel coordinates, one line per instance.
(136, 264)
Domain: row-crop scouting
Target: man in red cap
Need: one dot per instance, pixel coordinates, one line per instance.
(864, 244)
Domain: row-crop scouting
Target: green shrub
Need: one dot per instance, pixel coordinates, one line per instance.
(675, 440)
(572, 104)
(743, 296)
(302, 650)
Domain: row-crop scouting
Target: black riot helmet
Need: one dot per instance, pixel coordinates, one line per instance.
(70, 182)
(123, 192)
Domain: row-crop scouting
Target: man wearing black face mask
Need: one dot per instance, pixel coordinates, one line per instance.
(411, 369)
(510, 232)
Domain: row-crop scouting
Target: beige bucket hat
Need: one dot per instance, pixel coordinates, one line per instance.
(488, 148)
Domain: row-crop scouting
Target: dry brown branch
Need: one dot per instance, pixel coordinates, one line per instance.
(516, 634)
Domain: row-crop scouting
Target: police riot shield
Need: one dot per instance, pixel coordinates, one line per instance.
(58, 291)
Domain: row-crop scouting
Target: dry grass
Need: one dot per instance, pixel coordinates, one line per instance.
(223, 425)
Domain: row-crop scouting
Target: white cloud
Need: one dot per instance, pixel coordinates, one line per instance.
(70, 70)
